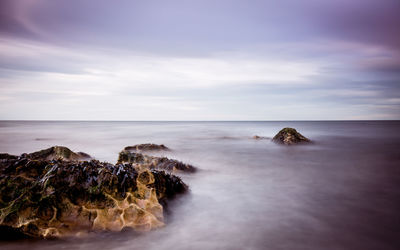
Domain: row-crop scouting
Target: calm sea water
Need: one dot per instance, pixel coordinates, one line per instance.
(341, 192)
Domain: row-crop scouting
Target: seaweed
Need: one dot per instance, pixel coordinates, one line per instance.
(44, 198)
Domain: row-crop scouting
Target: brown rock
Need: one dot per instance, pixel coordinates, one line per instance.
(289, 136)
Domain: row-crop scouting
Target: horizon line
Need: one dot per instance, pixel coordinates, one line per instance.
(300, 120)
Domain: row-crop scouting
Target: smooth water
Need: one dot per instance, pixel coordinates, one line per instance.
(341, 192)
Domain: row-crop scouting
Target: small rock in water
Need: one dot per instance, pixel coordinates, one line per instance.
(289, 136)
(147, 147)
(257, 137)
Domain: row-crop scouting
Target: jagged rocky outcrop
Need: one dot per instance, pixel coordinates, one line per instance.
(58, 153)
(153, 162)
(147, 147)
(46, 198)
(289, 136)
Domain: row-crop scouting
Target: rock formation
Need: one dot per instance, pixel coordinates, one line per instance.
(289, 136)
(48, 194)
(152, 162)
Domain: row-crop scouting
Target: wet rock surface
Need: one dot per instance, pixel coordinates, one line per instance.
(289, 136)
(147, 147)
(44, 198)
(153, 162)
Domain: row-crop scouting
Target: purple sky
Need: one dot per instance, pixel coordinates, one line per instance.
(199, 60)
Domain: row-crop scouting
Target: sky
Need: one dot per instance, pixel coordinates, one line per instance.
(199, 60)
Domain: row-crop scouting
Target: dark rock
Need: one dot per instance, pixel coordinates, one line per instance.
(147, 147)
(152, 162)
(11, 234)
(57, 153)
(43, 198)
(5, 156)
(289, 136)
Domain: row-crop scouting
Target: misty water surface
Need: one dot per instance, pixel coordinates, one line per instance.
(341, 192)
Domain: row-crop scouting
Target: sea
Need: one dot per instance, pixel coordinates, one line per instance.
(342, 191)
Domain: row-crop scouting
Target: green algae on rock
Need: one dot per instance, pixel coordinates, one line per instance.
(153, 162)
(43, 198)
(289, 136)
(147, 147)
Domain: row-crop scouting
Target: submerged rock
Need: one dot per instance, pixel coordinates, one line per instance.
(44, 198)
(153, 162)
(257, 137)
(289, 136)
(58, 153)
(147, 147)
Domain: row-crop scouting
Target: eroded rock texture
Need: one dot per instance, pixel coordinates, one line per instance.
(57, 198)
(289, 136)
(153, 162)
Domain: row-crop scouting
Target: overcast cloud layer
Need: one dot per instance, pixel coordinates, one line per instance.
(199, 60)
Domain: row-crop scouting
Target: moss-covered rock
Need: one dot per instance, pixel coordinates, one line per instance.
(152, 162)
(44, 198)
(289, 136)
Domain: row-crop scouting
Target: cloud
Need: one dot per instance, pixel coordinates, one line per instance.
(204, 60)
(139, 70)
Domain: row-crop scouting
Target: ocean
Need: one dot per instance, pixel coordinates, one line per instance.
(340, 192)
